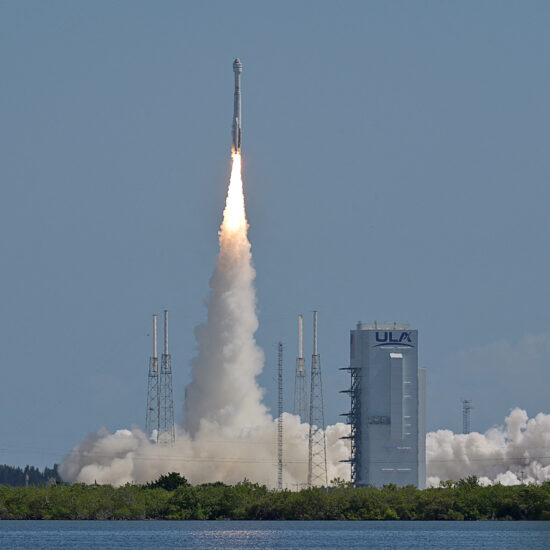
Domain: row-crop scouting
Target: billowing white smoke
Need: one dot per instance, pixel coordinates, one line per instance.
(228, 434)
(223, 390)
(127, 456)
(519, 450)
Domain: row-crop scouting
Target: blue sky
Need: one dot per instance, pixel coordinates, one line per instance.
(396, 168)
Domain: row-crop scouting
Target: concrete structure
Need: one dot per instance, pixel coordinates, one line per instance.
(387, 417)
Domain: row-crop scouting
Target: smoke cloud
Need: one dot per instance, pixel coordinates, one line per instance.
(127, 456)
(519, 450)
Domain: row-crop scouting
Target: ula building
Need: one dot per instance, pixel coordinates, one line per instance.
(388, 406)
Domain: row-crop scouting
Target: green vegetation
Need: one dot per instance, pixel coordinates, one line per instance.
(172, 497)
(29, 475)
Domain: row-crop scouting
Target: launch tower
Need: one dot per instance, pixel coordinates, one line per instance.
(280, 419)
(159, 418)
(466, 415)
(317, 455)
(167, 432)
(153, 403)
(300, 388)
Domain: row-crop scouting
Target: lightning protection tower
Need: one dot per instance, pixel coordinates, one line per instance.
(153, 391)
(167, 432)
(280, 421)
(317, 456)
(466, 412)
(300, 388)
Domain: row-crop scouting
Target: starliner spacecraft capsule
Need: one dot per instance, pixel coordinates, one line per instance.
(237, 120)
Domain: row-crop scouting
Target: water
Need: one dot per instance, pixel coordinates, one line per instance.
(265, 535)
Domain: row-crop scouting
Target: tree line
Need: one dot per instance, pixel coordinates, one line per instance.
(172, 497)
(29, 475)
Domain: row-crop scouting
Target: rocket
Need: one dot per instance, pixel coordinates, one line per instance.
(236, 131)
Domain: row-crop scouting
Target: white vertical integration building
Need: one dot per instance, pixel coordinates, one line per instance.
(387, 417)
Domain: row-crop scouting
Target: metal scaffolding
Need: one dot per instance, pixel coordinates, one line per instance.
(153, 391)
(466, 413)
(167, 430)
(280, 421)
(354, 420)
(300, 387)
(317, 455)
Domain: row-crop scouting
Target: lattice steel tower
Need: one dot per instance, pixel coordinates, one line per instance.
(153, 391)
(466, 412)
(300, 387)
(280, 421)
(354, 421)
(317, 459)
(167, 431)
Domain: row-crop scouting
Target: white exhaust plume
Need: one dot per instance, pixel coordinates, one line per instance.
(228, 434)
(510, 454)
(223, 388)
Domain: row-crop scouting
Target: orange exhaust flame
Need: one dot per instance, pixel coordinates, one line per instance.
(234, 214)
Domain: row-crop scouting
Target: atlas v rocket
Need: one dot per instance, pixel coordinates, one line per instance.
(237, 120)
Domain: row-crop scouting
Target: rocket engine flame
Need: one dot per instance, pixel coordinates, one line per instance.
(234, 214)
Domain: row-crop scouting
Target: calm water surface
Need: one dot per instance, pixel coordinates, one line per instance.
(267, 535)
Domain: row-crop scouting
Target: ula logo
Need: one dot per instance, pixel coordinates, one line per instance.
(388, 338)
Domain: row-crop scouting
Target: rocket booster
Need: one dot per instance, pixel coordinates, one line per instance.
(236, 131)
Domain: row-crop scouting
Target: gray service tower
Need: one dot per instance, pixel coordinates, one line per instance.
(387, 417)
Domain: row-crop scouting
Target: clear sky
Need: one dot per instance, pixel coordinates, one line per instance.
(396, 164)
